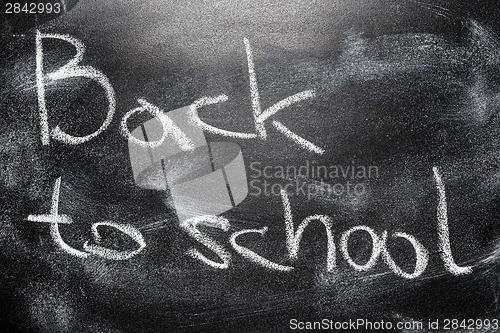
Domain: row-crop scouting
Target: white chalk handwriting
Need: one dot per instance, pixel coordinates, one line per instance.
(73, 69)
(293, 239)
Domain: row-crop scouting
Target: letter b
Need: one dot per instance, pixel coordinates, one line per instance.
(71, 69)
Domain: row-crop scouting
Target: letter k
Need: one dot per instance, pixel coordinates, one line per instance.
(259, 116)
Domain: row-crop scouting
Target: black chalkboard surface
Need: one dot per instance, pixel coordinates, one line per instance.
(249, 166)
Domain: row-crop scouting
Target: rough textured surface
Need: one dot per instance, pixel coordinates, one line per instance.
(403, 86)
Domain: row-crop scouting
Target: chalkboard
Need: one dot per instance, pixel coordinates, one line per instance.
(250, 166)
